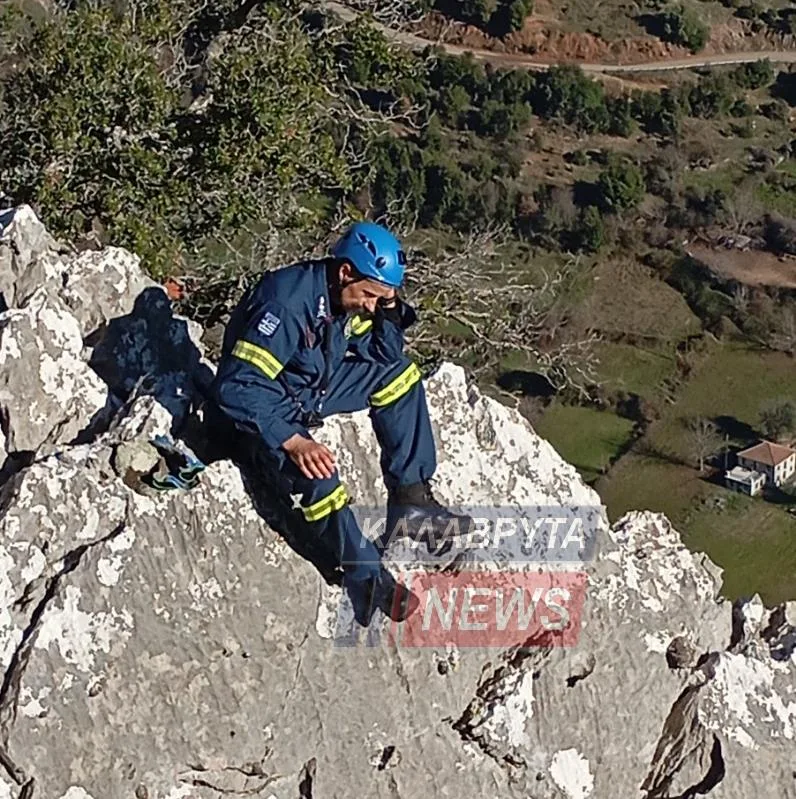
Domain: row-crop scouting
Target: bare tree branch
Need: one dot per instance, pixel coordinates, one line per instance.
(469, 295)
(704, 439)
(396, 14)
(784, 336)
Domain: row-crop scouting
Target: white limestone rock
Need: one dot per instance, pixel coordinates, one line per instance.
(175, 646)
(48, 394)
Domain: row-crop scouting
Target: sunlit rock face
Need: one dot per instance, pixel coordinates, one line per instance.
(173, 645)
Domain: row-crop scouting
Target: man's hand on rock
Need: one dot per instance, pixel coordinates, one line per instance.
(315, 460)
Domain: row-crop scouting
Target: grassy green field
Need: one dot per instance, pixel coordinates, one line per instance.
(585, 437)
(633, 369)
(646, 482)
(725, 178)
(788, 167)
(732, 383)
(776, 193)
(753, 540)
(779, 196)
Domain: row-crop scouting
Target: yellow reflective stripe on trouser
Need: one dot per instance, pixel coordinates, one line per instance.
(360, 325)
(257, 356)
(329, 504)
(398, 387)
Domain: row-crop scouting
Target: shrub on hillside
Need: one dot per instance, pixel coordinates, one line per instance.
(620, 185)
(778, 418)
(567, 94)
(780, 233)
(680, 25)
(754, 75)
(98, 126)
(497, 17)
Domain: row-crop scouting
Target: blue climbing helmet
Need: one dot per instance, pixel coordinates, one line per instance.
(374, 252)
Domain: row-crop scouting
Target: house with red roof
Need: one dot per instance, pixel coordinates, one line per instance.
(764, 463)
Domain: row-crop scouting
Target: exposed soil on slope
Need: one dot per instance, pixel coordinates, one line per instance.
(543, 38)
(753, 267)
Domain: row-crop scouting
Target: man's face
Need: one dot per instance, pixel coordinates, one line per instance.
(362, 295)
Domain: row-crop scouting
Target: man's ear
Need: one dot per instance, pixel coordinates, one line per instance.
(344, 273)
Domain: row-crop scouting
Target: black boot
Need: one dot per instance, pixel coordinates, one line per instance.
(385, 594)
(414, 512)
(394, 599)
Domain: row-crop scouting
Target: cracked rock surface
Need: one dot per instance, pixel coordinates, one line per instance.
(173, 646)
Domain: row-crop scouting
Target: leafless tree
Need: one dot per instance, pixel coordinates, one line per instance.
(496, 310)
(469, 285)
(744, 208)
(350, 107)
(740, 299)
(704, 439)
(395, 14)
(783, 337)
(213, 286)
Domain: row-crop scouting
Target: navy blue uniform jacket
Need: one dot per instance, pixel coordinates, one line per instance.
(282, 332)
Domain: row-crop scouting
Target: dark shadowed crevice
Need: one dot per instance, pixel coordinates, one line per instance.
(386, 756)
(14, 463)
(306, 779)
(714, 776)
(493, 690)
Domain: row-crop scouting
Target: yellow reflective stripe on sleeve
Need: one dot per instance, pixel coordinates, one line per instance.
(360, 325)
(398, 387)
(329, 504)
(257, 356)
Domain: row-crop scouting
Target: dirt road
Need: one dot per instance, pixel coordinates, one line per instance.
(513, 60)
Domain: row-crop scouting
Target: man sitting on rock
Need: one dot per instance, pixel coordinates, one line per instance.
(324, 337)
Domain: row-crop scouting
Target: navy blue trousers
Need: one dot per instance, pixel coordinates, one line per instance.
(399, 415)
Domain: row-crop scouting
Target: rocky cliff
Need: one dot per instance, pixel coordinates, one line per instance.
(164, 646)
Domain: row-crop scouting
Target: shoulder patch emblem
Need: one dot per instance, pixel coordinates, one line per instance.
(268, 324)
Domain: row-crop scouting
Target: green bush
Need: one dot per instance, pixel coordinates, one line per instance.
(453, 104)
(711, 97)
(682, 26)
(510, 16)
(620, 112)
(462, 71)
(591, 232)
(368, 59)
(693, 280)
(754, 75)
(567, 94)
(497, 17)
(398, 175)
(511, 85)
(96, 127)
(658, 113)
(499, 121)
(620, 185)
